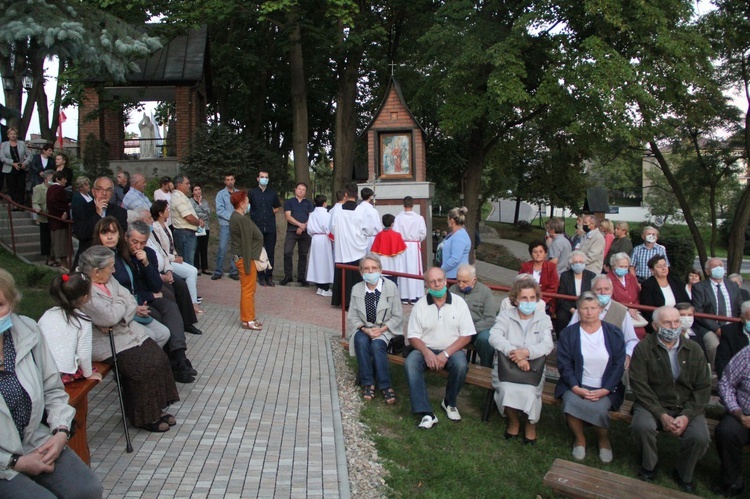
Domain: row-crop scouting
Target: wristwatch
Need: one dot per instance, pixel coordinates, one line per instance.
(13, 461)
(447, 356)
(61, 430)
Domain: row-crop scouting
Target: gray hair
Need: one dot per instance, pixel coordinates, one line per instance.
(576, 253)
(600, 277)
(617, 257)
(467, 268)
(708, 262)
(370, 256)
(96, 257)
(587, 296)
(745, 307)
(82, 180)
(736, 277)
(138, 226)
(47, 174)
(649, 227)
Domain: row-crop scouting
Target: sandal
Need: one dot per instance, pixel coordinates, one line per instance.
(389, 396)
(159, 426)
(168, 418)
(252, 325)
(368, 393)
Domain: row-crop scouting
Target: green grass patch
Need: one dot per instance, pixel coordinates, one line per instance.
(473, 459)
(498, 255)
(33, 283)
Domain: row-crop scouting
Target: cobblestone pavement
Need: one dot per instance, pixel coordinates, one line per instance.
(261, 420)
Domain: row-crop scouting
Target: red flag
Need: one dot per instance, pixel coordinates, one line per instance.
(63, 119)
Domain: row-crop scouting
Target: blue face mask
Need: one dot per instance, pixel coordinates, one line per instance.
(371, 278)
(247, 208)
(5, 323)
(747, 327)
(466, 290)
(578, 267)
(527, 307)
(604, 299)
(263, 182)
(439, 293)
(717, 273)
(620, 272)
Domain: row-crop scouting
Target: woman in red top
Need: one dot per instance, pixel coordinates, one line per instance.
(544, 272)
(626, 290)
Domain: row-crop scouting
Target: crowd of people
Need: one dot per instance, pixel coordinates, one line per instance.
(135, 277)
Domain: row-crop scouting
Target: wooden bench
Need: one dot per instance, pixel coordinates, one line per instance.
(78, 392)
(577, 480)
(482, 377)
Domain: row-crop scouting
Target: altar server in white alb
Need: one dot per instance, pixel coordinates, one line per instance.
(412, 228)
(320, 266)
(370, 216)
(349, 244)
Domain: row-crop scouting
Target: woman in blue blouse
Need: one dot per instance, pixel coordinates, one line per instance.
(457, 245)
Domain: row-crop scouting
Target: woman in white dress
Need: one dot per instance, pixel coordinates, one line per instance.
(320, 264)
(521, 334)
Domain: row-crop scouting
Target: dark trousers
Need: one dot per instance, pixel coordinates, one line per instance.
(269, 243)
(180, 294)
(731, 437)
(45, 239)
(304, 240)
(165, 311)
(17, 185)
(200, 261)
(352, 278)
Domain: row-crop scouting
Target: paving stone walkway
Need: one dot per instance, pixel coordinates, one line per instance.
(261, 420)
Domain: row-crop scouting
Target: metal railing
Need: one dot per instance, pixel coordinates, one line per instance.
(343, 268)
(8, 229)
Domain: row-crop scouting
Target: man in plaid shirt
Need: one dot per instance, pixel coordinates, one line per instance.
(643, 253)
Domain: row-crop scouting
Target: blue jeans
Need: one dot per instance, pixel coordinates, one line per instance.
(224, 237)
(415, 366)
(481, 342)
(372, 353)
(185, 243)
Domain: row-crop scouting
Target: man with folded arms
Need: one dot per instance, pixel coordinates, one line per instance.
(184, 219)
(440, 326)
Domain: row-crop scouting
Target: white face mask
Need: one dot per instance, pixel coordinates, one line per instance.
(686, 321)
(650, 238)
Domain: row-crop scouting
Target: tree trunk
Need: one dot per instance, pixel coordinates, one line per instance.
(517, 211)
(712, 208)
(472, 185)
(299, 107)
(345, 131)
(684, 205)
(736, 245)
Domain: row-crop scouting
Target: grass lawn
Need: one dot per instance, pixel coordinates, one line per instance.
(473, 459)
(33, 282)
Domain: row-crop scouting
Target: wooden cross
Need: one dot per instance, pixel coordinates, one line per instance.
(392, 65)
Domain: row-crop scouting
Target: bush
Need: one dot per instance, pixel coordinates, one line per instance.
(216, 150)
(96, 158)
(524, 226)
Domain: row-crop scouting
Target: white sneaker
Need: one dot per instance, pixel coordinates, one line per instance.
(579, 452)
(326, 294)
(452, 412)
(428, 422)
(605, 455)
(319, 292)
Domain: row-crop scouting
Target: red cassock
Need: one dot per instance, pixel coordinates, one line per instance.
(388, 243)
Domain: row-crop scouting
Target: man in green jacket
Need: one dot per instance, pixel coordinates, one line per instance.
(671, 382)
(483, 306)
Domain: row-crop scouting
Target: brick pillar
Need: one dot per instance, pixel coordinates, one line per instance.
(185, 114)
(114, 132)
(89, 103)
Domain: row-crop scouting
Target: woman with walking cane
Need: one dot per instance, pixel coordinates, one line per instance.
(148, 386)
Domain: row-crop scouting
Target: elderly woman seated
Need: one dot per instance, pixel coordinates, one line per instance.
(626, 290)
(544, 272)
(521, 335)
(661, 288)
(37, 419)
(148, 385)
(374, 317)
(591, 362)
(573, 282)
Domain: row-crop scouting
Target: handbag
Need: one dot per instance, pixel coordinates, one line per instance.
(508, 371)
(263, 263)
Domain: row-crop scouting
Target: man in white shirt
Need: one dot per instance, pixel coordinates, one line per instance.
(369, 215)
(440, 326)
(413, 229)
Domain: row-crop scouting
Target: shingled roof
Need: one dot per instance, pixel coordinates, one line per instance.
(182, 60)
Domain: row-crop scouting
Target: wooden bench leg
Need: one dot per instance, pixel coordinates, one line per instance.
(79, 442)
(489, 403)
